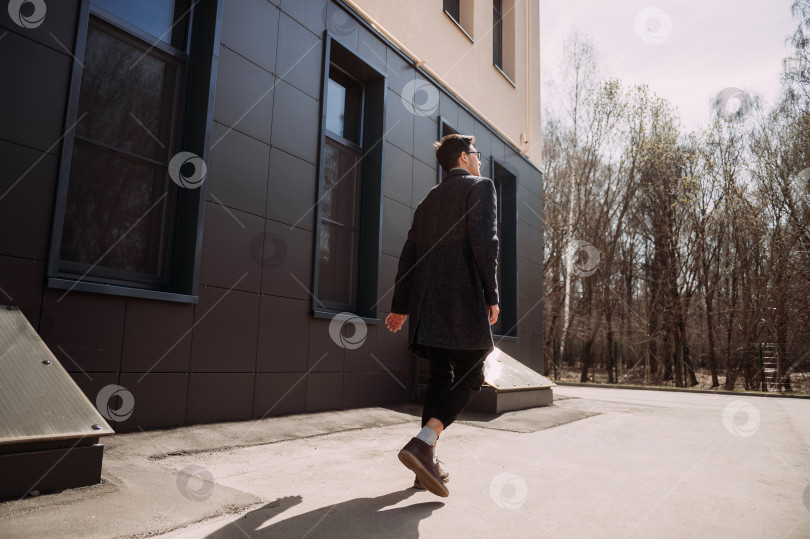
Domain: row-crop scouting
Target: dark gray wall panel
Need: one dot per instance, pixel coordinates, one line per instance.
(425, 133)
(21, 284)
(392, 349)
(311, 13)
(530, 278)
(225, 331)
(448, 110)
(27, 190)
(530, 242)
(279, 393)
(530, 315)
(291, 194)
(250, 28)
(229, 249)
(325, 354)
(397, 174)
(84, 331)
(244, 96)
(424, 179)
(297, 118)
(287, 260)
(324, 392)
(157, 336)
(361, 359)
(396, 222)
(238, 173)
(160, 400)
(342, 26)
(398, 123)
(233, 402)
(33, 108)
(399, 73)
(283, 335)
(57, 31)
(372, 50)
(300, 58)
(465, 124)
(388, 274)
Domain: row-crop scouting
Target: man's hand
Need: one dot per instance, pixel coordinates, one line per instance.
(492, 313)
(394, 321)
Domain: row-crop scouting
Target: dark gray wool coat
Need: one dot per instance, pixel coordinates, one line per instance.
(448, 267)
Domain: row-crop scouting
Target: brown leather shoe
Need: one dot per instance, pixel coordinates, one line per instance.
(417, 456)
(444, 475)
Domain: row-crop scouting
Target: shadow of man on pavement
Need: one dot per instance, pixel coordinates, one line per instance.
(352, 518)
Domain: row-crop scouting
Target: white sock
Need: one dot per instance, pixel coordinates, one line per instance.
(428, 435)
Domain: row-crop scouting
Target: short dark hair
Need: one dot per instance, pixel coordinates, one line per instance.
(450, 148)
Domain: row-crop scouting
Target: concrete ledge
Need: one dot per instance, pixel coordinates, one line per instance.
(685, 390)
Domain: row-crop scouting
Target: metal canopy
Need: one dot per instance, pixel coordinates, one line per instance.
(39, 401)
(505, 373)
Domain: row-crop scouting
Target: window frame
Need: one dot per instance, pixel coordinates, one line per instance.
(192, 132)
(508, 251)
(339, 55)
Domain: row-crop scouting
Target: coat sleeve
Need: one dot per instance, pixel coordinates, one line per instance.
(404, 278)
(482, 231)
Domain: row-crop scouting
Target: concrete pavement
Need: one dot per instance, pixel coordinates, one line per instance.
(601, 462)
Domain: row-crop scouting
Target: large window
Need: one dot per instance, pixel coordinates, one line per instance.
(347, 249)
(340, 200)
(506, 189)
(118, 211)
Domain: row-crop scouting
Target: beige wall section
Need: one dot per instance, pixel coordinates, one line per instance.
(466, 67)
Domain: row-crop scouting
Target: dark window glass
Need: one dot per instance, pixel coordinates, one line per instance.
(497, 33)
(452, 8)
(155, 17)
(339, 232)
(119, 199)
(115, 216)
(344, 104)
(505, 188)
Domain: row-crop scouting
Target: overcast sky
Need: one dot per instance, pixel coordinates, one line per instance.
(686, 50)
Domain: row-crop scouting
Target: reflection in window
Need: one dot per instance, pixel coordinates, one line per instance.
(453, 8)
(154, 17)
(337, 278)
(118, 209)
(497, 33)
(344, 104)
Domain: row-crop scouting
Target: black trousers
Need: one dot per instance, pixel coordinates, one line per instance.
(455, 379)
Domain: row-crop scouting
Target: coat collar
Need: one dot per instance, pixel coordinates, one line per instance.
(456, 172)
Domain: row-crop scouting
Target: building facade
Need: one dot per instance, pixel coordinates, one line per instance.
(203, 203)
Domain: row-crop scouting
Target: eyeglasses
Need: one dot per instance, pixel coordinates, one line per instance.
(476, 153)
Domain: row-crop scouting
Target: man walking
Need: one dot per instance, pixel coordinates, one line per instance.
(447, 285)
